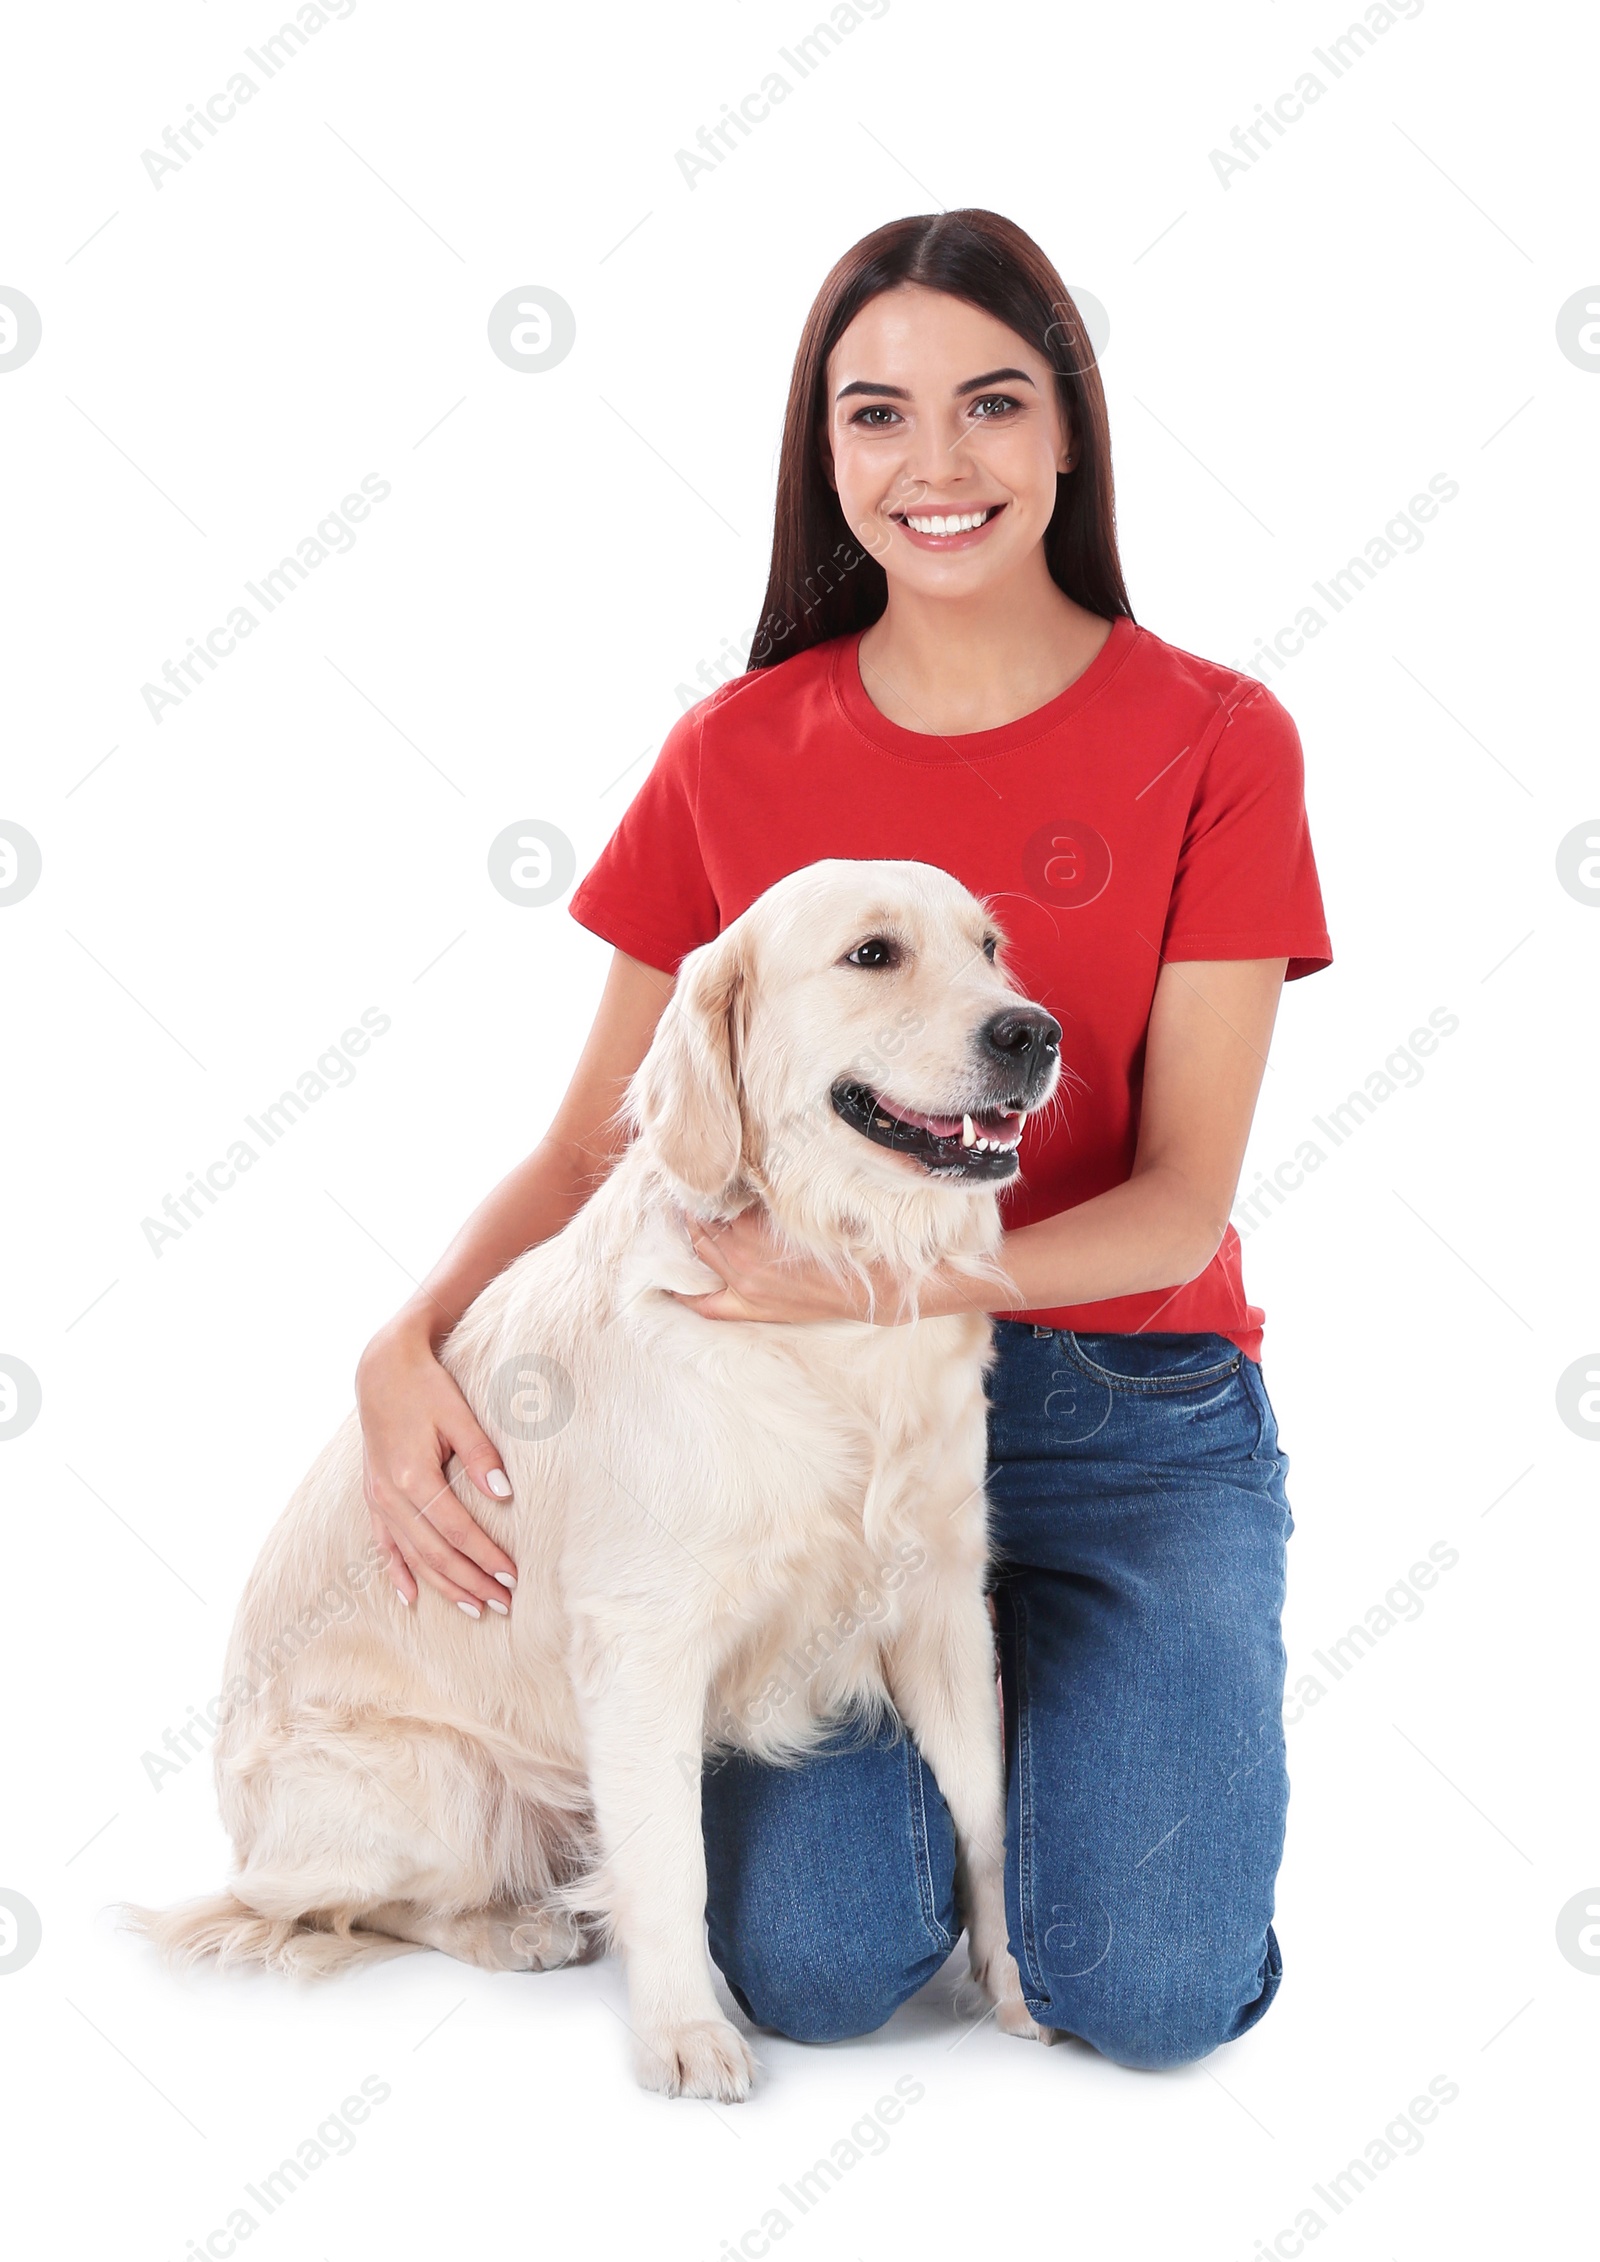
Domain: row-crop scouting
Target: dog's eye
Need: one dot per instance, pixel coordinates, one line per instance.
(877, 950)
(991, 943)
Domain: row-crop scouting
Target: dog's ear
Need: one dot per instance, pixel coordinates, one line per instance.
(686, 1096)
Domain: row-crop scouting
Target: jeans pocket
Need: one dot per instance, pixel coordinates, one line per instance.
(1154, 1366)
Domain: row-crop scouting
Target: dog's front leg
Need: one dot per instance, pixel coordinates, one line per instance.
(941, 1674)
(644, 1719)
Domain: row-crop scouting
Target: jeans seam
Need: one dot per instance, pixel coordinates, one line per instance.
(1272, 1462)
(922, 1860)
(1024, 1849)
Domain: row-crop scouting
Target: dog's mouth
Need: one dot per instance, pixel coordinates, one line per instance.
(980, 1145)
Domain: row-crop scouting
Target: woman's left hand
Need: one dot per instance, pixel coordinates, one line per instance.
(762, 1280)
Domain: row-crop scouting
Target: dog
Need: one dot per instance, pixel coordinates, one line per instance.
(728, 1534)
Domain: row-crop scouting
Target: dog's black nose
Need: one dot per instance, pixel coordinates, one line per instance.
(1023, 1036)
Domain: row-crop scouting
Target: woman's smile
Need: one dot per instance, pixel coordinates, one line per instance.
(947, 529)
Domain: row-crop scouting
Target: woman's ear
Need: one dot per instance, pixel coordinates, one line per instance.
(686, 1094)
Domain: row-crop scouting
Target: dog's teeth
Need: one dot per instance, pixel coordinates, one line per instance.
(968, 1134)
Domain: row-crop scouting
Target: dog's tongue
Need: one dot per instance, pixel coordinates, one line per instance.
(942, 1126)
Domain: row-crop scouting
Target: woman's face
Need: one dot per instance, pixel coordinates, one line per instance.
(946, 437)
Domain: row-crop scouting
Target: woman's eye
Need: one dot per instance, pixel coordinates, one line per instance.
(862, 415)
(875, 951)
(993, 404)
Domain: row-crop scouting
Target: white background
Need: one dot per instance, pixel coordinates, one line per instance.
(1291, 357)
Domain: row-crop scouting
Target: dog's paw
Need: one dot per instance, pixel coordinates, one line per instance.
(703, 2058)
(547, 1939)
(1012, 2016)
(1001, 1984)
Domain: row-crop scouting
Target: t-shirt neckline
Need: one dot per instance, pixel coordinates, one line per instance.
(974, 745)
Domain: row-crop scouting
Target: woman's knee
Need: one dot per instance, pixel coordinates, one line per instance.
(831, 1885)
(1162, 2018)
(826, 1989)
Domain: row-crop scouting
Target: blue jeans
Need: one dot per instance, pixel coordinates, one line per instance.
(1138, 1521)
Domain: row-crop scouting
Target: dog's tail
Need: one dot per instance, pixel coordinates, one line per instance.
(226, 1931)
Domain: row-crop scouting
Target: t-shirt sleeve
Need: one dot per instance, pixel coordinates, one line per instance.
(648, 892)
(1246, 885)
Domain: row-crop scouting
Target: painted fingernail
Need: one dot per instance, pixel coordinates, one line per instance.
(500, 1609)
(405, 1598)
(499, 1484)
(471, 1609)
(505, 1578)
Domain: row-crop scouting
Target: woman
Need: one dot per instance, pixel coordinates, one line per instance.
(948, 669)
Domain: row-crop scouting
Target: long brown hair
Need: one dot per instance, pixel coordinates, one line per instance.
(823, 583)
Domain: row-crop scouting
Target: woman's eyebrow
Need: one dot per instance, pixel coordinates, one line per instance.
(972, 385)
(994, 377)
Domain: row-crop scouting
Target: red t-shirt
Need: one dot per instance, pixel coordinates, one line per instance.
(1153, 810)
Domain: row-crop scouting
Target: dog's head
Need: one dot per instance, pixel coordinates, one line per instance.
(849, 1041)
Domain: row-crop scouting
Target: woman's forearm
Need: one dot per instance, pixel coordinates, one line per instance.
(530, 1203)
(1156, 1230)
(1206, 1051)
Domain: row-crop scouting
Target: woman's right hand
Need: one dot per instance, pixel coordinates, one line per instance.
(413, 1418)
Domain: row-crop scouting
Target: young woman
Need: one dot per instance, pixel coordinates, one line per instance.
(948, 669)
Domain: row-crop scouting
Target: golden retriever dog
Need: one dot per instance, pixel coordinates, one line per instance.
(697, 1504)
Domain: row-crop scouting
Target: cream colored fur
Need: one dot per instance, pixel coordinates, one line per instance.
(723, 1531)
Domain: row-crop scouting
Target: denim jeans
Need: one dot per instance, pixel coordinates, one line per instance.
(1138, 1519)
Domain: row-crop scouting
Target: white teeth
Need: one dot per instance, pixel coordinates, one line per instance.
(968, 1134)
(961, 522)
